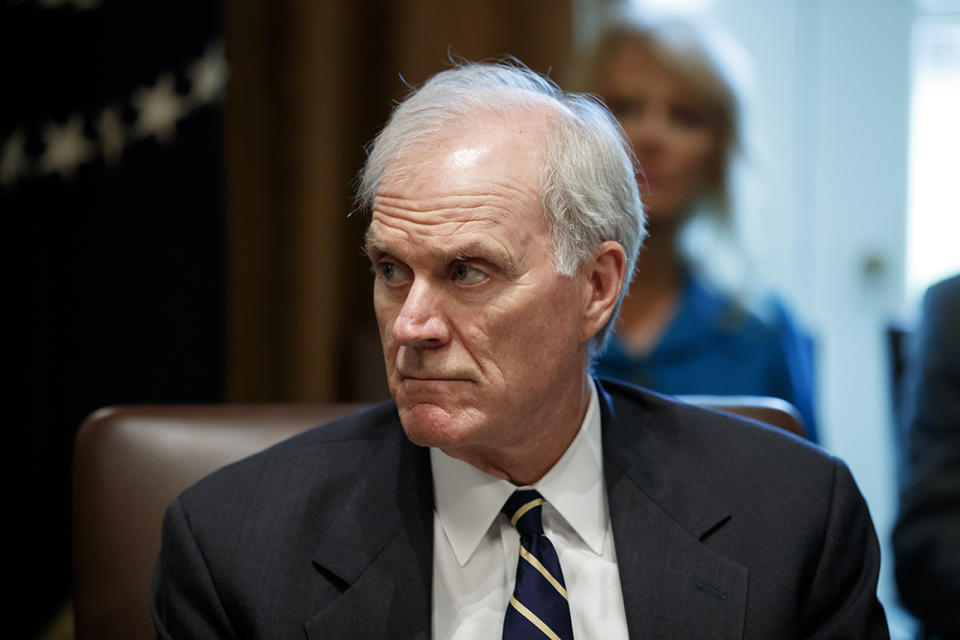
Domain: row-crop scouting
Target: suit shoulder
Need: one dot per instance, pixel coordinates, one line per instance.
(328, 454)
(707, 437)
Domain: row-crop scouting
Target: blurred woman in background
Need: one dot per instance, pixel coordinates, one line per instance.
(693, 322)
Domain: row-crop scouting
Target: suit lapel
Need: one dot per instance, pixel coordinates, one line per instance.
(673, 584)
(381, 551)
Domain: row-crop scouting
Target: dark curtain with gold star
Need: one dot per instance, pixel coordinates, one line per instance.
(110, 188)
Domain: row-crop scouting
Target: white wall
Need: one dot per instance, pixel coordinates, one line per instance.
(833, 98)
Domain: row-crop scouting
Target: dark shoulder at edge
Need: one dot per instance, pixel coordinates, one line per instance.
(378, 422)
(722, 430)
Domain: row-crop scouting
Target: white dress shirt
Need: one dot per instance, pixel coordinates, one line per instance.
(475, 549)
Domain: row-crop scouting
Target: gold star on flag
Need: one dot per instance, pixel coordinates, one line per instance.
(67, 147)
(208, 75)
(159, 108)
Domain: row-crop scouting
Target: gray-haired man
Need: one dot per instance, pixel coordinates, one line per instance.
(505, 221)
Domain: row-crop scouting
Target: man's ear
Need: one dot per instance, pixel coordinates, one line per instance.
(601, 279)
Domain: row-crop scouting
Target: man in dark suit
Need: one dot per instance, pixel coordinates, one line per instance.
(926, 539)
(505, 221)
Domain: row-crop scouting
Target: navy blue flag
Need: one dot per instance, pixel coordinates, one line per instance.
(110, 192)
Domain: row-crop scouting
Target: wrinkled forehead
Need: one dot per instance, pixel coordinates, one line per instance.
(505, 121)
(465, 185)
(485, 153)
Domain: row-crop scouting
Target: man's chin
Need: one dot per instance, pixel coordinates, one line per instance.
(431, 425)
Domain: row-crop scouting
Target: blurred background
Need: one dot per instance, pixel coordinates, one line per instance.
(176, 184)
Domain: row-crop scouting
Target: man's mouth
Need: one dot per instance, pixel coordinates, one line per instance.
(431, 378)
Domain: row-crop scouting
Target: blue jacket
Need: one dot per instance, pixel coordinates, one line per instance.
(714, 346)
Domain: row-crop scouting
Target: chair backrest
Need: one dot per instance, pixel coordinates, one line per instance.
(131, 462)
(773, 411)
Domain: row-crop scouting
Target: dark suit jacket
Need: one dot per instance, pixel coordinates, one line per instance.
(926, 539)
(723, 529)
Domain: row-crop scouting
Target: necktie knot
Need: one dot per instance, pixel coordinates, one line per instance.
(523, 509)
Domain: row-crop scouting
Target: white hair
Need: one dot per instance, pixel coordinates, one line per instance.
(588, 186)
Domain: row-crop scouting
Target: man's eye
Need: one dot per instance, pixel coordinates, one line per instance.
(465, 274)
(391, 271)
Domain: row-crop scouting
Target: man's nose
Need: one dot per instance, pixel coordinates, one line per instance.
(421, 321)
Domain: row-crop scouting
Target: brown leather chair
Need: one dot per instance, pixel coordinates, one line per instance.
(774, 411)
(131, 462)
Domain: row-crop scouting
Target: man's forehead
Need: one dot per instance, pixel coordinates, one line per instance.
(442, 229)
(379, 240)
(489, 173)
(384, 239)
(484, 179)
(480, 135)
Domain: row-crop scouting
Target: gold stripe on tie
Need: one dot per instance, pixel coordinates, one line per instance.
(533, 560)
(532, 617)
(536, 502)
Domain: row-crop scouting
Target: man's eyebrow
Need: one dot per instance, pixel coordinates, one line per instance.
(481, 251)
(472, 251)
(372, 244)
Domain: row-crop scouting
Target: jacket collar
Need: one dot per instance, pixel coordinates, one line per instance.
(661, 512)
(384, 561)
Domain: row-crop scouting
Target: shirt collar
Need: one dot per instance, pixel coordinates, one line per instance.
(468, 500)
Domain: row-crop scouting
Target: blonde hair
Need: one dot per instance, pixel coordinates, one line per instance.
(710, 60)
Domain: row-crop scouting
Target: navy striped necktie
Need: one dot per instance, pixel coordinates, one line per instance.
(538, 607)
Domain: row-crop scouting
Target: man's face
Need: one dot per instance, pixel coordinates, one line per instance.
(481, 336)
